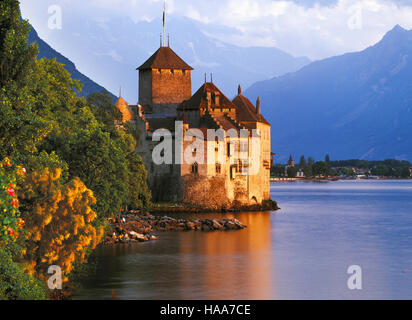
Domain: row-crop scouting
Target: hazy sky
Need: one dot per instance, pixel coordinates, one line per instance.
(316, 29)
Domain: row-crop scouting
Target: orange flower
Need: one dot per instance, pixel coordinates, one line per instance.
(21, 171)
(7, 162)
(15, 203)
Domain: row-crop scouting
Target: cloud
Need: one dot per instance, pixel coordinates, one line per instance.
(316, 28)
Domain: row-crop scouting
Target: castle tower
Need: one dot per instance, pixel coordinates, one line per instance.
(164, 82)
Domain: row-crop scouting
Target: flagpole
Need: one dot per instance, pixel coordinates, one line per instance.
(164, 22)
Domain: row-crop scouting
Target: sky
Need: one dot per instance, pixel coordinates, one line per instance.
(316, 29)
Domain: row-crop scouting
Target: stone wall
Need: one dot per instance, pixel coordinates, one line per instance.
(145, 89)
(171, 86)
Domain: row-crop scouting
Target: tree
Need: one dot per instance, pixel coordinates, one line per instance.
(20, 130)
(320, 168)
(302, 162)
(311, 161)
(139, 192)
(16, 56)
(327, 162)
(292, 172)
(277, 171)
(308, 171)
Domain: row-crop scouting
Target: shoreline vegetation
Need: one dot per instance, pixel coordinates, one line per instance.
(328, 170)
(67, 164)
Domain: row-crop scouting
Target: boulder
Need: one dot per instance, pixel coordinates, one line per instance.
(216, 225)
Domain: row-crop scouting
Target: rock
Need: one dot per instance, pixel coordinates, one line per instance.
(230, 225)
(205, 227)
(190, 225)
(217, 225)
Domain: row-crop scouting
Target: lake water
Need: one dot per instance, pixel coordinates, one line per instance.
(300, 252)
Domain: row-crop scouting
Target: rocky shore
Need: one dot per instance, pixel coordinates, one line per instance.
(268, 205)
(137, 227)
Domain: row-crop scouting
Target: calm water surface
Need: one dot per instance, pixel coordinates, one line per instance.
(300, 252)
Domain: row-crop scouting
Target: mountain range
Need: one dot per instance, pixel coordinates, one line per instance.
(109, 48)
(357, 105)
(46, 51)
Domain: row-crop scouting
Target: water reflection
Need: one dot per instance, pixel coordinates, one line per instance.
(301, 252)
(189, 265)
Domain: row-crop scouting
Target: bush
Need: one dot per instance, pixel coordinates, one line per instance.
(59, 222)
(10, 221)
(15, 284)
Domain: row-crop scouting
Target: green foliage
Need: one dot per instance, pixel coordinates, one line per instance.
(139, 192)
(302, 162)
(277, 171)
(75, 150)
(292, 172)
(15, 284)
(307, 171)
(10, 221)
(16, 56)
(320, 168)
(103, 108)
(85, 141)
(368, 164)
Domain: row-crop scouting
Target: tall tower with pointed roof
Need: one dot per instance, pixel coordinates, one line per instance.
(164, 82)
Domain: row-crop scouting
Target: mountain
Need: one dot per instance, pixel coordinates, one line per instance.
(110, 47)
(358, 105)
(45, 51)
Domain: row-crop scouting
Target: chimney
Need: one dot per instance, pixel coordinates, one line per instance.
(258, 105)
(239, 90)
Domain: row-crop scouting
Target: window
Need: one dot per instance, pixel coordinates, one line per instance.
(243, 147)
(159, 71)
(172, 71)
(195, 168)
(218, 168)
(232, 173)
(228, 149)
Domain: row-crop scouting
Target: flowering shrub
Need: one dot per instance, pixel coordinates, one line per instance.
(59, 222)
(10, 221)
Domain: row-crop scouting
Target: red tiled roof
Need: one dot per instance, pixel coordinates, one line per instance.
(199, 99)
(165, 58)
(246, 111)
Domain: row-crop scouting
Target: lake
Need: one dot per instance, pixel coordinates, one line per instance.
(302, 251)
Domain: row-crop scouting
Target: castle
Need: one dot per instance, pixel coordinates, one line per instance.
(231, 166)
